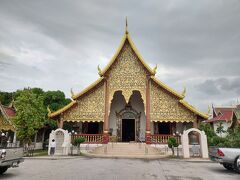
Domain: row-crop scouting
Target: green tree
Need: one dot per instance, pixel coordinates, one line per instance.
(172, 142)
(55, 100)
(31, 114)
(220, 129)
(6, 98)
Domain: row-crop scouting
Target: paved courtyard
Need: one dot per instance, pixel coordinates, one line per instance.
(118, 169)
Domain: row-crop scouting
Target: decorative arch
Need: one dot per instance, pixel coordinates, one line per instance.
(203, 143)
(127, 93)
(62, 139)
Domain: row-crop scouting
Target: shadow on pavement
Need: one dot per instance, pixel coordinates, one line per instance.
(7, 175)
(222, 170)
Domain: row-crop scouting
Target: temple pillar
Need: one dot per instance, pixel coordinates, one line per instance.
(195, 124)
(148, 122)
(106, 116)
(60, 123)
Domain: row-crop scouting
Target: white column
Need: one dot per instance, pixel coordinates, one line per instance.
(15, 137)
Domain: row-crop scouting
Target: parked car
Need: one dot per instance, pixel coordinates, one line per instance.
(10, 157)
(228, 157)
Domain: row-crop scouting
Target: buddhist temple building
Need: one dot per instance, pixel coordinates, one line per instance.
(128, 103)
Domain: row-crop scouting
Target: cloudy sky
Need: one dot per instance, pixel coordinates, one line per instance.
(58, 44)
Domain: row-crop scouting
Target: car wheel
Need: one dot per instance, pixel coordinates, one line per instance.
(237, 164)
(228, 166)
(3, 169)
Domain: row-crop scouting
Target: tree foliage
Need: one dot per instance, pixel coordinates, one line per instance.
(6, 97)
(172, 142)
(231, 140)
(55, 100)
(31, 114)
(220, 129)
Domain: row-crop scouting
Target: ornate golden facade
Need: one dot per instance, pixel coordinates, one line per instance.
(5, 125)
(166, 107)
(88, 108)
(127, 74)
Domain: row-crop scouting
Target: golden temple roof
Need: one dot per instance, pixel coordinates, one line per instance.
(53, 114)
(193, 109)
(166, 87)
(75, 96)
(125, 38)
(151, 71)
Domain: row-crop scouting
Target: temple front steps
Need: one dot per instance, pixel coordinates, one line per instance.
(126, 150)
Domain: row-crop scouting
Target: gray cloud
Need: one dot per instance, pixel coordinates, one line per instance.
(58, 44)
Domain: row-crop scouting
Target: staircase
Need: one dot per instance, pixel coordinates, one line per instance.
(128, 150)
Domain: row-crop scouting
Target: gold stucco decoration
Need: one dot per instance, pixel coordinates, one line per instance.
(88, 108)
(127, 75)
(166, 107)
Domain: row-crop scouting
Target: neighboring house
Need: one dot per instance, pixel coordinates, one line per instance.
(225, 117)
(8, 129)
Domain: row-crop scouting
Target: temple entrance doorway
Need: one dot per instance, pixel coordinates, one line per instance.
(128, 130)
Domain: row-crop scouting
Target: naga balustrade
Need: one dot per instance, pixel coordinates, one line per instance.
(163, 138)
(89, 138)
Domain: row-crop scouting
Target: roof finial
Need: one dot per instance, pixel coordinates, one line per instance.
(100, 71)
(184, 91)
(126, 30)
(72, 93)
(209, 110)
(155, 69)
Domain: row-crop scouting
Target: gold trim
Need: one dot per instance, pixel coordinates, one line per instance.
(88, 88)
(50, 115)
(166, 87)
(83, 120)
(171, 120)
(193, 109)
(127, 37)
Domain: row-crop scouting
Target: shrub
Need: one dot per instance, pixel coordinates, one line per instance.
(77, 142)
(172, 142)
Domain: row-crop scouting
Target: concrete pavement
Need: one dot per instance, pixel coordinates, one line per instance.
(117, 169)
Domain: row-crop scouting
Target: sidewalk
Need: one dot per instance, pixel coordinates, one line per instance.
(85, 155)
(53, 157)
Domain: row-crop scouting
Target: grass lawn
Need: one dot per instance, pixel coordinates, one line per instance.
(40, 152)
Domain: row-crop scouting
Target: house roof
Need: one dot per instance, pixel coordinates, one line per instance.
(7, 113)
(223, 115)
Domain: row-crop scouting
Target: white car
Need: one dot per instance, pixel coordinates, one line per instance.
(228, 157)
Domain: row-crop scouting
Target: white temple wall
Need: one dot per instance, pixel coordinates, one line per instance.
(137, 104)
(119, 103)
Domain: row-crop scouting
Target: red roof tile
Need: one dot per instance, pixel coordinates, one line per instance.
(224, 115)
(9, 111)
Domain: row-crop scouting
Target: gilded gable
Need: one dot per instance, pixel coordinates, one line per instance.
(127, 73)
(90, 107)
(166, 107)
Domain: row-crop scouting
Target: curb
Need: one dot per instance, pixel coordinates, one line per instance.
(53, 158)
